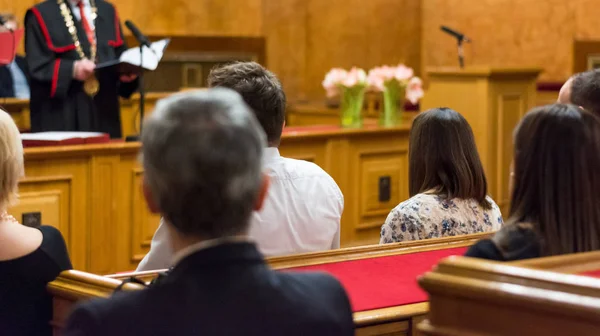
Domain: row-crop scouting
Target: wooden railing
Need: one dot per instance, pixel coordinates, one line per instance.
(73, 286)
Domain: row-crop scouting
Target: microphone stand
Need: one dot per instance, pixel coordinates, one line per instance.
(461, 54)
(142, 91)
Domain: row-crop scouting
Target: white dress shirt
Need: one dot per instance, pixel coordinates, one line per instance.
(302, 213)
(87, 9)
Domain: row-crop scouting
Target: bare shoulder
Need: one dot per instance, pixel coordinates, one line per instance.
(17, 240)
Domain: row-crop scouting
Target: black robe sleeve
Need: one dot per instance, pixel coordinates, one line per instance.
(125, 89)
(42, 62)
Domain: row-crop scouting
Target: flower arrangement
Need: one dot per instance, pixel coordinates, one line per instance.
(397, 84)
(351, 86)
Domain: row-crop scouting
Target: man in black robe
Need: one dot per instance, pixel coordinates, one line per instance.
(57, 34)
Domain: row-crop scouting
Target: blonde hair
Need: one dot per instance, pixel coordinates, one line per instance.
(11, 161)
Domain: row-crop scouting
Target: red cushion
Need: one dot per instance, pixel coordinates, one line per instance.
(384, 281)
(595, 274)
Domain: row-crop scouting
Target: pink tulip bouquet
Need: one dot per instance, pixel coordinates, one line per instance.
(397, 84)
(350, 86)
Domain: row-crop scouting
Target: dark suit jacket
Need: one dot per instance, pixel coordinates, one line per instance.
(223, 290)
(7, 89)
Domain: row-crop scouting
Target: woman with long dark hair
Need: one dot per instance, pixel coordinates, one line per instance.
(447, 183)
(555, 205)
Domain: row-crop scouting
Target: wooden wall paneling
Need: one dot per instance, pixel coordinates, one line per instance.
(336, 37)
(511, 107)
(18, 110)
(144, 224)
(394, 33)
(312, 150)
(284, 27)
(50, 196)
(337, 163)
(582, 50)
(346, 33)
(103, 211)
(586, 15)
(373, 166)
(369, 160)
(200, 17)
(58, 192)
(506, 33)
(18, 8)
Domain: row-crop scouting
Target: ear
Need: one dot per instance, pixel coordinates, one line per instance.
(283, 127)
(262, 193)
(152, 206)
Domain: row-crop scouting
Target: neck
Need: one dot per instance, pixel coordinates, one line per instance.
(180, 241)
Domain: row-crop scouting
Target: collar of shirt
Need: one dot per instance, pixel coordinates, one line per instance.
(270, 154)
(74, 3)
(206, 244)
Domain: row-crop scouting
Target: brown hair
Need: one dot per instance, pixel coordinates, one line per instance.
(260, 89)
(556, 181)
(443, 157)
(585, 90)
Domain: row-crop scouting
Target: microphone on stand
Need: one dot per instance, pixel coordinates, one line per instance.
(460, 38)
(142, 39)
(144, 42)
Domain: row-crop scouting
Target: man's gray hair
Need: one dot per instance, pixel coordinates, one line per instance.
(202, 156)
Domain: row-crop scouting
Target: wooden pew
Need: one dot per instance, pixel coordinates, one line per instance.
(546, 296)
(73, 286)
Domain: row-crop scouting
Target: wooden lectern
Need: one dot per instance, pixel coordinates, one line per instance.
(493, 100)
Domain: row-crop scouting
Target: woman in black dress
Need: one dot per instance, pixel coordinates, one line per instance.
(29, 258)
(555, 205)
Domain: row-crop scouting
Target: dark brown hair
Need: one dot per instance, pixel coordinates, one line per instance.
(443, 157)
(585, 90)
(556, 181)
(8, 16)
(260, 89)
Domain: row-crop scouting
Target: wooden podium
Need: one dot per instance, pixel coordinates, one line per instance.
(493, 100)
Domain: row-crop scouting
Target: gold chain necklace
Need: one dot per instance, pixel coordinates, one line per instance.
(91, 86)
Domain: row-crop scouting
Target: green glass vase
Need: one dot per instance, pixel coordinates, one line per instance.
(393, 104)
(351, 106)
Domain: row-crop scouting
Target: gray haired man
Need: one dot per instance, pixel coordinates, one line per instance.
(202, 155)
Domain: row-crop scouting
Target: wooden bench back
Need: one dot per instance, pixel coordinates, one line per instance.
(74, 286)
(544, 296)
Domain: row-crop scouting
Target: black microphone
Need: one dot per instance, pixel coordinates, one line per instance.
(461, 37)
(2, 21)
(142, 39)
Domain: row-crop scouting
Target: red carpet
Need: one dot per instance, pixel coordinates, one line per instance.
(385, 281)
(595, 274)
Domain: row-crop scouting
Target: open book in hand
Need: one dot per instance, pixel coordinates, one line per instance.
(131, 61)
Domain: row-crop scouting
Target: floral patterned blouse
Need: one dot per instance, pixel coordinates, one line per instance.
(427, 216)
